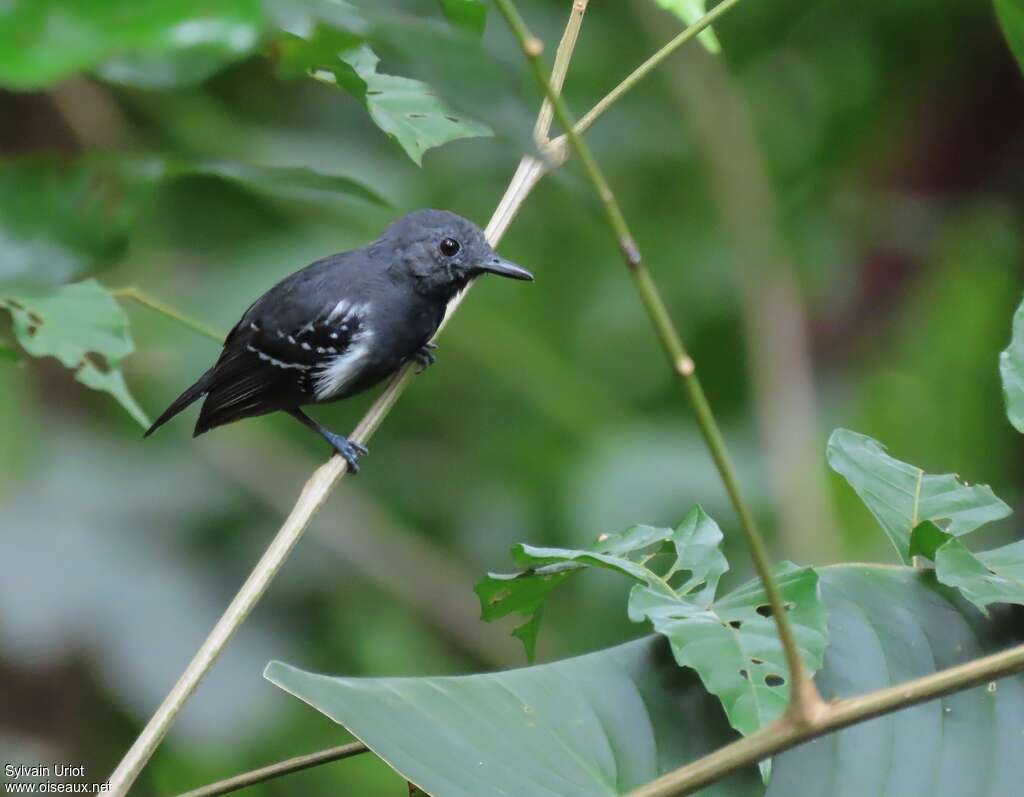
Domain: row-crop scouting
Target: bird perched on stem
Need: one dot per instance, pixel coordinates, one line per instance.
(342, 324)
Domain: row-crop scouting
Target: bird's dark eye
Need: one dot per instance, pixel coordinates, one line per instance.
(449, 247)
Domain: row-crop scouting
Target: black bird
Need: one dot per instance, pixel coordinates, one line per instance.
(342, 324)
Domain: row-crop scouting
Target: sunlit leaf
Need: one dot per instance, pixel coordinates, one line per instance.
(605, 723)
(995, 576)
(731, 642)
(1011, 19)
(901, 496)
(1011, 369)
(83, 327)
(45, 41)
(689, 11)
(470, 15)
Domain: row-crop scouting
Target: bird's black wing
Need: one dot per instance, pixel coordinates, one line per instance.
(271, 361)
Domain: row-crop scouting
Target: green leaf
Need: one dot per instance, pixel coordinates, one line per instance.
(901, 496)
(83, 327)
(1011, 369)
(1011, 19)
(594, 725)
(62, 217)
(732, 642)
(162, 44)
(991, 577)
(605, 723)
(405, 109)
(689, 11)
(469, 15)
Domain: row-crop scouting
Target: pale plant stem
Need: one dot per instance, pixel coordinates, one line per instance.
(804, 700)
(788, 732)
(272, 771)
(318, 487)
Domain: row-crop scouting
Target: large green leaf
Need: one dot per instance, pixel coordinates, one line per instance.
(1011, 365)
(60, 217)
(602, 724)
(83, 327)
(1011, 18)
(595, 725)
(991, 577)
(689, 11)
(901, 496)
(45, 41)
(890, 625)
(731, 642)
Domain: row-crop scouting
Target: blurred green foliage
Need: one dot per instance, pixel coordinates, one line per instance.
(892, 138)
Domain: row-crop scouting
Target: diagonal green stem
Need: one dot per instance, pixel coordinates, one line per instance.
(804, 698)
(146, 300)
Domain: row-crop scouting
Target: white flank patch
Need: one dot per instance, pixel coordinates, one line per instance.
(339, 370)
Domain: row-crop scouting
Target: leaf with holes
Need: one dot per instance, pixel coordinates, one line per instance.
(901, 496)
(689, 11)
(83, 327)
(995, 576)
(732, 642)
(406, 109)
(1011, 365)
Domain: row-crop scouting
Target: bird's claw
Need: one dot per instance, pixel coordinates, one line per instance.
(349, 450)
(425, 357)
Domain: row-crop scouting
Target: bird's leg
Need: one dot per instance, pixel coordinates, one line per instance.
(425, 356)
(349, 449)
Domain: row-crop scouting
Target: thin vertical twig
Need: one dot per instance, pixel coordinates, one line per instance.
(804, 698)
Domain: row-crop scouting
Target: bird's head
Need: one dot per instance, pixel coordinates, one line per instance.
(442, 252)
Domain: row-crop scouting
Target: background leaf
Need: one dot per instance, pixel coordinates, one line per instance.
(689, 11)
(602, 724)
(150, 44)
(1011, 368)
(406, 109)
(78, 324)
(995, 576)
(901, 496)
(470, 15)
(60, 217)
(1011, 19)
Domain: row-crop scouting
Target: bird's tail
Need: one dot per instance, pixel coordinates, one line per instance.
(199, 389)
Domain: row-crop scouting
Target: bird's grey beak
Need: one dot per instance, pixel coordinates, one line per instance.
(506, 268)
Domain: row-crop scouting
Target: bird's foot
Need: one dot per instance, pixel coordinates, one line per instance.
(350, 450)
(425, 357)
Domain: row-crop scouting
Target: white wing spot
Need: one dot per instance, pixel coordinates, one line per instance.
(273, 360)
